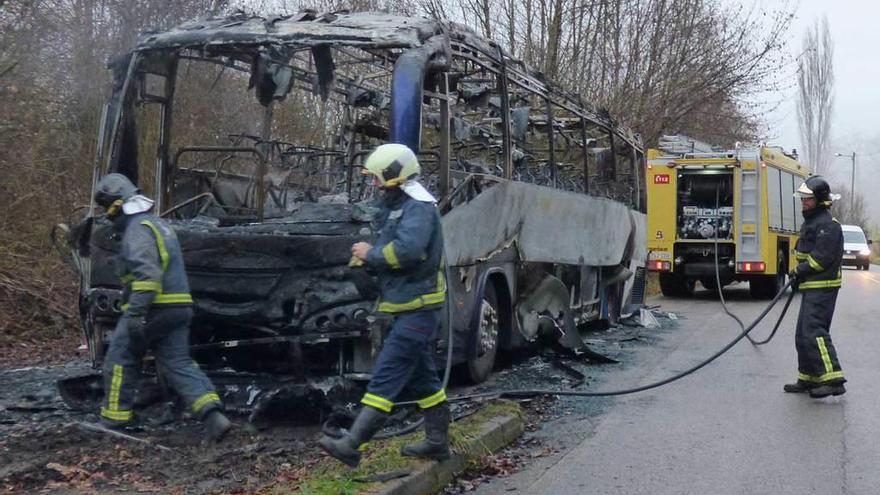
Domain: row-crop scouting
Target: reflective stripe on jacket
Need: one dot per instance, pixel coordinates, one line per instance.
(151, 262)
(819, 251)
(408, 255)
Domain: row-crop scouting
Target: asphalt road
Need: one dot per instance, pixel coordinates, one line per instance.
(729, 428)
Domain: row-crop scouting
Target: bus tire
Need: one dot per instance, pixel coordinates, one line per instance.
(488, 329)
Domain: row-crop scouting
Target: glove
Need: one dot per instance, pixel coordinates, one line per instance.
(363, 281)
(136, 326)
(794, 278)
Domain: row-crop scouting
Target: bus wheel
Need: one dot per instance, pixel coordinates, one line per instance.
(480, 367)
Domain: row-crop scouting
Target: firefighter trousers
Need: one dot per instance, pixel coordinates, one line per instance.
(817, 357)
(167, 334)
(405, 367)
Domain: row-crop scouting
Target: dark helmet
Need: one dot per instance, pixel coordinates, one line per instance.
(112, 191)
(816, 187)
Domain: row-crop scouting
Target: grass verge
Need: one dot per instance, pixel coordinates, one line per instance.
(331, 477)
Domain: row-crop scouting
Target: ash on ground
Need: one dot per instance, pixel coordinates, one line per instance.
(44, 449)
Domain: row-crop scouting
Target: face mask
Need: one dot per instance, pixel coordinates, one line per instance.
(391, 195)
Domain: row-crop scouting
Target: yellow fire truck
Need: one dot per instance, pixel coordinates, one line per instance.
(741, 201)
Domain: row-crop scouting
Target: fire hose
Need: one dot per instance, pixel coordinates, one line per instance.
(525, 393)
(721, 293)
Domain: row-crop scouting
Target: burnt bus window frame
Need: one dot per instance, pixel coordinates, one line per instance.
(301, 83)
(512, 76)
(506, 76)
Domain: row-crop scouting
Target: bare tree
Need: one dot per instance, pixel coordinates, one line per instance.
(52, 82)
(850, 210)
(657, 65)
(816, 95)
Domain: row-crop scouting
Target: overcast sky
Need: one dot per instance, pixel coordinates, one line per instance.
(856, 122)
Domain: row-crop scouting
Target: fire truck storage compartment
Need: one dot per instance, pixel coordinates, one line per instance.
(698, 194)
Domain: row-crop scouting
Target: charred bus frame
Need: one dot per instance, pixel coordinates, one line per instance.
(266, 227)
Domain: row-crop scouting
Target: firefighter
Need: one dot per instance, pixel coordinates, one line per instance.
(156, 314)
(408, 261)
(819, 252)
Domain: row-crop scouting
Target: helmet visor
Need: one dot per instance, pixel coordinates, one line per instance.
(137, 204)
(804, 192)
(417, 191)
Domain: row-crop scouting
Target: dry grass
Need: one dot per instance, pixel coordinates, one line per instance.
(38, 290)
(329, 476)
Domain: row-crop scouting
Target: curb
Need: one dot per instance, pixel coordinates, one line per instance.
(429, 477)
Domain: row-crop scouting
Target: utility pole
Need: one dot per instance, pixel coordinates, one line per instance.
(852, 186)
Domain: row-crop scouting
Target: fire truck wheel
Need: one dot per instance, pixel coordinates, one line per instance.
(674, 285)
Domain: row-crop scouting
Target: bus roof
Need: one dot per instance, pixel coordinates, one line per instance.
(391, 33)
(368, 29)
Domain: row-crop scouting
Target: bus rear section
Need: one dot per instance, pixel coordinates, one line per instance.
(721, 217)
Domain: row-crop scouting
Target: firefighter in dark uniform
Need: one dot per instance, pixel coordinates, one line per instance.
(408, 260)
(818, 276)
(156, 314)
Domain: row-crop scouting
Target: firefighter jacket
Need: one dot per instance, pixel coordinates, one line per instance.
(819, 251)
(408, 255)
(151, 265)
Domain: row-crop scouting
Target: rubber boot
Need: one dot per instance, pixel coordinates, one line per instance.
(799, 387)
(216, 426)
(827, 390)
(436, 443)
(369, 421)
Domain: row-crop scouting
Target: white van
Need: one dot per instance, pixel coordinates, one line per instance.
(856, 249)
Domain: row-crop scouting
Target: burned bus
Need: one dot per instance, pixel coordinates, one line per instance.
(250, 133)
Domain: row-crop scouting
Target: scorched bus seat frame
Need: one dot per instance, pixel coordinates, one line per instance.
(514, 161)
